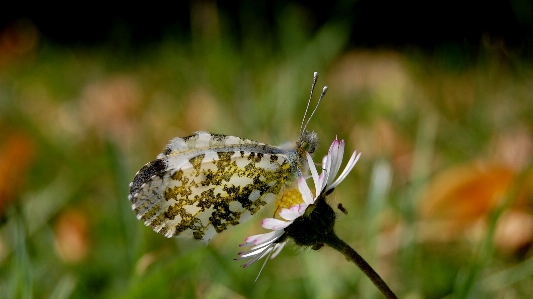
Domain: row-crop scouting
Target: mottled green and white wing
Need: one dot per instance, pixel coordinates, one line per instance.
(205, 183)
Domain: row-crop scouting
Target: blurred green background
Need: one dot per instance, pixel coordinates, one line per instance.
(439, 203)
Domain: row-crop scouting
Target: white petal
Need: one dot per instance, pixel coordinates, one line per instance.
(277, 248)
(320, 185)
(293, 212)
(250, 253)
(258, 239)
(312, 167)
(277, 234)
(325, 173)
(351, 163)
(275, 224)
(305, 191)
(257, 257)
(254, 250)
(261, 246)
(337, 151)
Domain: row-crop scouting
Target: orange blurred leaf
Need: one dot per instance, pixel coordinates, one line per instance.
(72, 238)
(16, 155)
(458, 198)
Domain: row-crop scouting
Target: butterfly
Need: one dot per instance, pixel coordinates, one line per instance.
(205, 183)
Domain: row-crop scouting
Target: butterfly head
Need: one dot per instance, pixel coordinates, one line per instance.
(308, 142)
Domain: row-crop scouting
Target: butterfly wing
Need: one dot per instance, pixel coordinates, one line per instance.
(205, 183)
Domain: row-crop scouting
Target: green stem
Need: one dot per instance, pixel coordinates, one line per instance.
(341, 246)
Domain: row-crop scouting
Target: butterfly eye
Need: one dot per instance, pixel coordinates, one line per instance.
(308, 142)
(306, 147)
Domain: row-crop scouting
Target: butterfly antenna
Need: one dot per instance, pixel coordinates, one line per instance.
(324, 90)
(315, 77)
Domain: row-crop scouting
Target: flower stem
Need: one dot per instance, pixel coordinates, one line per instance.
(334, 242)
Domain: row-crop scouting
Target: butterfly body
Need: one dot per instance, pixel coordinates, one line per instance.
(205, 183)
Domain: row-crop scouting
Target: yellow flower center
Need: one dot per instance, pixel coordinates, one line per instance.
(289, 198)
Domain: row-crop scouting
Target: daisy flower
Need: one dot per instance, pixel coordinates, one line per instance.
(273, 242)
